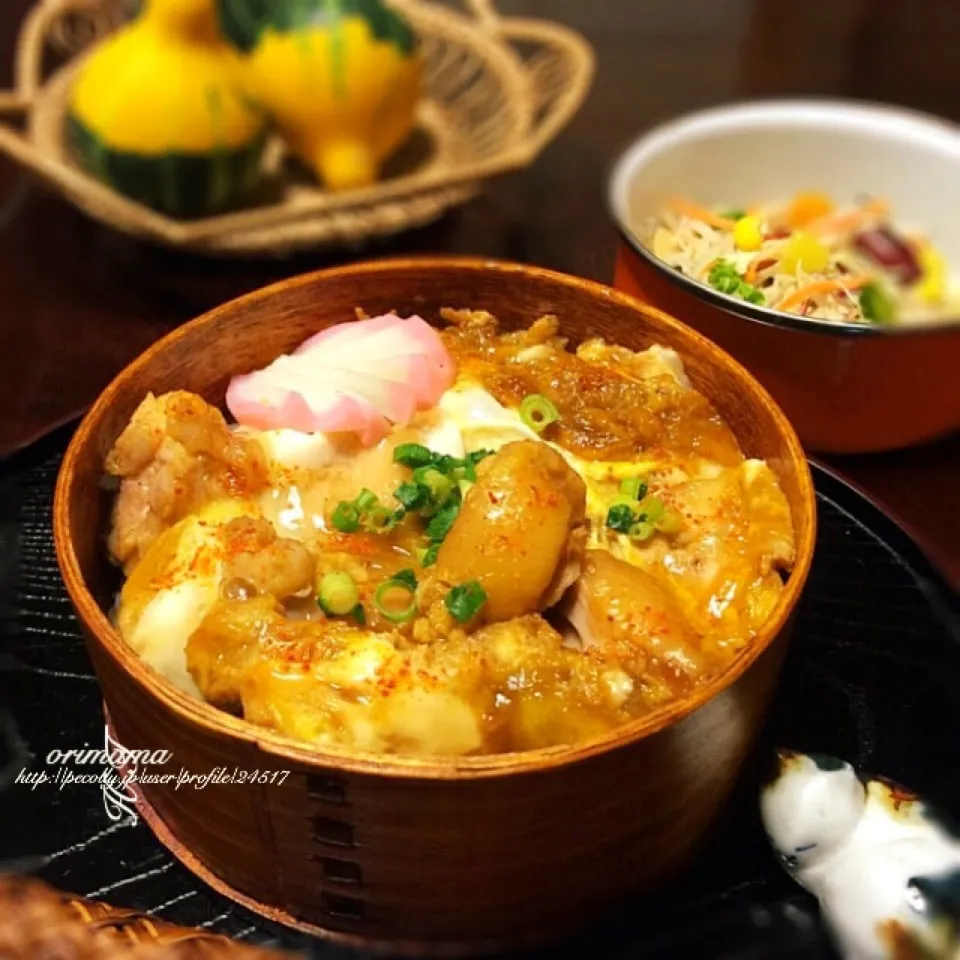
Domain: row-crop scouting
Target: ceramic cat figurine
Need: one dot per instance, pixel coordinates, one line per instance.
(884, 866)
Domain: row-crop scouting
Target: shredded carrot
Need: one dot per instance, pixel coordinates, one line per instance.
(754, 266)
(706, 270)
(807, 208)
(844, 222)
(820, 288)
(690, 209)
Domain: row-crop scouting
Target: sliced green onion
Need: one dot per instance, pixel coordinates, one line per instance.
(735, 214)
(380, 519)
(346, 517)
(641, 531)
(413, 455)
(621, 518)
(428, 557)
(446, 464)
(411, 495)
(670, 523)
(537, 412)
(470, 462)
(365, 500)
(359, 614)
(406, 577)
(464, 601)
(392, 614)
(338, 594)
(633, 487)
(439, 526)
(652, 509)
(438, 484)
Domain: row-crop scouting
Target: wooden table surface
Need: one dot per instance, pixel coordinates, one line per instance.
(78, 302)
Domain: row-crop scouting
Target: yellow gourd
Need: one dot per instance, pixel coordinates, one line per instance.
(159, 112)
(341, 79)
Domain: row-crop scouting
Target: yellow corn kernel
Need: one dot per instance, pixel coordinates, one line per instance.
(802, 251)
(933, 283)
(747, 235)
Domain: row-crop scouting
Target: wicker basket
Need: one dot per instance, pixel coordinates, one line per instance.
(487, 110)
(39, 922)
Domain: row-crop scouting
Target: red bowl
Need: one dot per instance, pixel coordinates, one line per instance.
(846, 388)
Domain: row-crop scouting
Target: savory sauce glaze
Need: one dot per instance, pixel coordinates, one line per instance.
(554, 579)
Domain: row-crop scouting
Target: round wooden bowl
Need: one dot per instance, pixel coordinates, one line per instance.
(410, 854)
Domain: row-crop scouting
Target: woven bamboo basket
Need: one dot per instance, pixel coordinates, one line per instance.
(39, 922)
(487, 110)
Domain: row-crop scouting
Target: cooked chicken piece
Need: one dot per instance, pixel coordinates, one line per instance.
(259, 560)
(176, 454)
(656, 361)
(236, 635)
(332, 681)
(548, 693)
(521, 531)
(625, 616)
(510, 686)
(725, 562)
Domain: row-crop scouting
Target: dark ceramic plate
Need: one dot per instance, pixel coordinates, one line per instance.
(873, 676)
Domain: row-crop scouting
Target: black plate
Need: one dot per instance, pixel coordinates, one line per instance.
(873, 676)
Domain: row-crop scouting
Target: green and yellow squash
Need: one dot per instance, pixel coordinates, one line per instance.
(160, 113)
(340, 78)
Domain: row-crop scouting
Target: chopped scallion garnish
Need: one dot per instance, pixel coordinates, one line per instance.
(670, 523)
(537, 412)
(652, 509)
(465, 601)
(392, 613)
(346, 517)
(380, 519)
(633, 487)
(338, 594)
(640, 531)
(413, 455)
(413, 496)
(407, 577)
(620, 518)
(429, 556)
(441, 522)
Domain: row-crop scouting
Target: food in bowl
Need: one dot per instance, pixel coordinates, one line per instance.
(455, 543)
(807, 256)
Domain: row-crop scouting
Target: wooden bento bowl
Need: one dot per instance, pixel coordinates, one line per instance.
(410, 854)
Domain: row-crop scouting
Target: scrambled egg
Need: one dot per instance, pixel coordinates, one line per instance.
(174, 587)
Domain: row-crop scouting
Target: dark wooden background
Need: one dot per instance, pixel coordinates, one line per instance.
(77, 302)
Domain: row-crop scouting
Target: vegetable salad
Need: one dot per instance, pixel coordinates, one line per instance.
(809, 257)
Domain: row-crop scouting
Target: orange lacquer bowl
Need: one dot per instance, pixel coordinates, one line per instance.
(408, 854)
(846, 388)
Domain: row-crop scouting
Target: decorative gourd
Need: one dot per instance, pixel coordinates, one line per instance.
(341, 79)
(159, 113)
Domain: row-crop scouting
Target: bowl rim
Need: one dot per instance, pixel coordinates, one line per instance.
(285, 748)
(747, 114)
